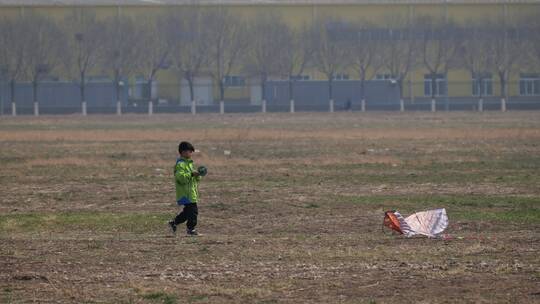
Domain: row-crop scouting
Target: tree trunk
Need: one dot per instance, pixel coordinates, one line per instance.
(433, 92)
(291, 89)
(117, 92)
(502, 77)
(82, 87)
(191, 88)
(34, 97)
(363, 92)
(191, 84)
(330, 94)
(118, 99)
(12, 95)
(291, 95)
(221, 97)
(481, 94)
(400, 89)
(263, 87)
(150, 103)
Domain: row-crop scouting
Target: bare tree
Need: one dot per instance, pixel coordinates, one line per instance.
(529, 37)
(476, 56)
(506, 46)
(120, 51)
(227, 40)
(329, 38)
(263, 58)
(438, 46)
(85, 46)
(13, 46)
(154, 52)
(297, 52)
(365, 54)
(46, 46)
(187, 33)
(399, 46)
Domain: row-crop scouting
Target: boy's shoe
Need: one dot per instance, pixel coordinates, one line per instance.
(173, 227)
(192, 232)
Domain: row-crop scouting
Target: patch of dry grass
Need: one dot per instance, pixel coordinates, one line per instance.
(292, 215)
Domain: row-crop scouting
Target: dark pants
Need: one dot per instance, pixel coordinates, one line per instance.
(189, 214)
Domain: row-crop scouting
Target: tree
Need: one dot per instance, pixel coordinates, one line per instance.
(506, 46)
(46, 48)
(85, 41)
(438, 48)
(263, 58)
(399, 46)
(365, 52)
(329, 38)
(529, 36)
(153, 54)
(13, 47)
(188, 36)
(297, 52)
(120, 51)
(227, 40)
(476, 56)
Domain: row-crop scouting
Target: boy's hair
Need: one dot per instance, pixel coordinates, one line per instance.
(185, 146)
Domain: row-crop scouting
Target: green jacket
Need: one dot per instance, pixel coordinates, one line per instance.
(187, 186)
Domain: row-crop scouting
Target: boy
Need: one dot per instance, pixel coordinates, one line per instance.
(186, 179)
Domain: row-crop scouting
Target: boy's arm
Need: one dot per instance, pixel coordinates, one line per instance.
(182, 174)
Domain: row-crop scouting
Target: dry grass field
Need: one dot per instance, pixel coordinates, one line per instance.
(292, 215)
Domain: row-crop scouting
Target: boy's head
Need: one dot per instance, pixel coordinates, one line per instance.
(185, 149)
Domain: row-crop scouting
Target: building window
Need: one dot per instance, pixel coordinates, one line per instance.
(440, 85)
(340, 76)
(529, 84)
(300, 77)
(485, 87)
(383, 77)
(234, 81)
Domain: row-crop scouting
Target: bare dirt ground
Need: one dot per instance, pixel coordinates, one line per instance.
(291, 209)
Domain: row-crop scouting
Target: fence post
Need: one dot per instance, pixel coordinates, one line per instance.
(433, 105)
(150, 107)
(263, 106)
(193, 107)
(83, 105)
(363, 105)
(503, 104)
(221, 107)
(401, 105)
(331, 106)
(480, 105)
(36, 109)
(13, 109)
(292, 106)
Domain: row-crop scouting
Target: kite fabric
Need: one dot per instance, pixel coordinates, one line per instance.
(429, 223)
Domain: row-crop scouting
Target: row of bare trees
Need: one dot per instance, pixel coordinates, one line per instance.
(213, 42)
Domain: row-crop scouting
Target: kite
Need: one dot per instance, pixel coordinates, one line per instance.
(429, 223)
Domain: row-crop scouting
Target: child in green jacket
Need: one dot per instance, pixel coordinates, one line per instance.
(186, 179)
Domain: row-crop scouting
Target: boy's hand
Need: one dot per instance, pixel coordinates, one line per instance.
(195, 173)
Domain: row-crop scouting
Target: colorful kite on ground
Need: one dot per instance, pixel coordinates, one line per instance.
(429, 223)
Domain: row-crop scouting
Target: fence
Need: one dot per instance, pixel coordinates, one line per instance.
(380, 95)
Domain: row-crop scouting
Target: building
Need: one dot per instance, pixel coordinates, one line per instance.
(419, 84)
